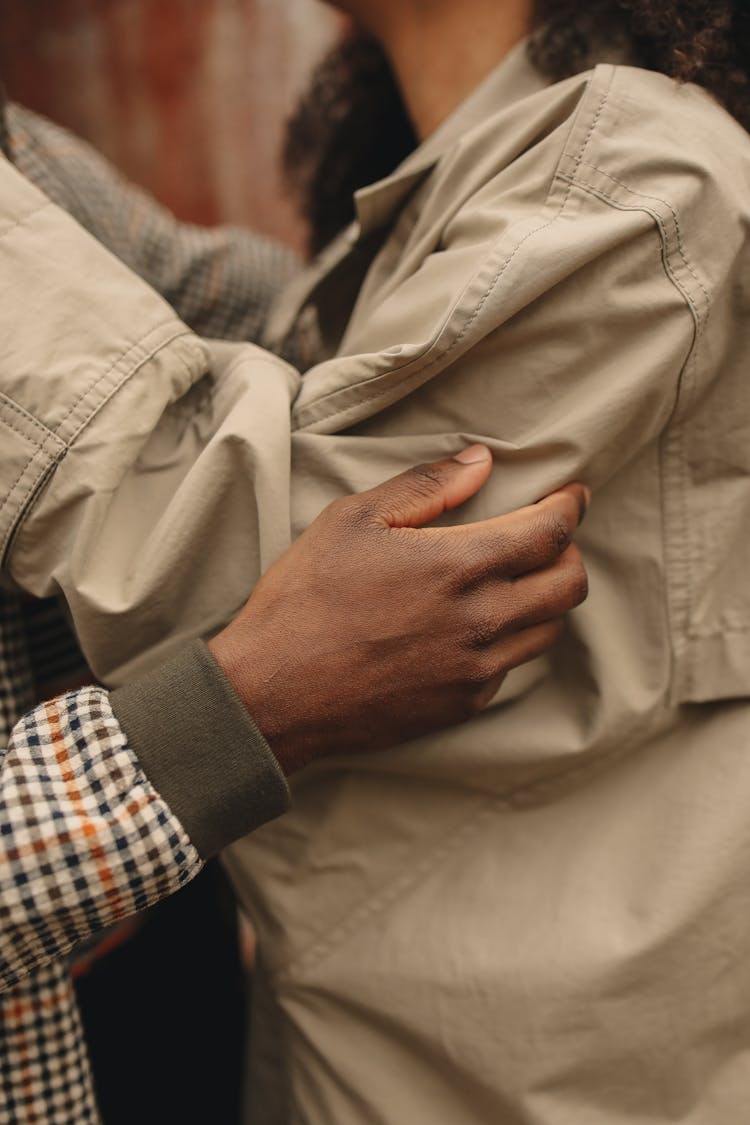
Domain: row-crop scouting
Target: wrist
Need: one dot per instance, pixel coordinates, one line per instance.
(245, 667)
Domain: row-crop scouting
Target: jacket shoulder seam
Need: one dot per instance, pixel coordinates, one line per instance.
(671, 248)
(330, 405)
(663, 213)
(691, 290)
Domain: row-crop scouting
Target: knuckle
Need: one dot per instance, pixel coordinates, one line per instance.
(466, 563)
(481, 631)
(349, 512)
(566, 505)
(337, 509)
(479, 670)
(426, 478)
(556, 534)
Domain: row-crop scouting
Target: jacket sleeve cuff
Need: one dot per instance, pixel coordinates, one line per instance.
(201, 750)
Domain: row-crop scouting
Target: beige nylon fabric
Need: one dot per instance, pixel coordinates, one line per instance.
(144, 474)
(541, 916)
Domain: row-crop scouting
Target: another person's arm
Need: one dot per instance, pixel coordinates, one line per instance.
(221, 281)
(110, 801)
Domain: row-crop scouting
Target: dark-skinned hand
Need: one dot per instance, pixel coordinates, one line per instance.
(373, 629)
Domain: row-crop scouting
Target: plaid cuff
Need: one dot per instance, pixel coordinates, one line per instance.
(84, 838)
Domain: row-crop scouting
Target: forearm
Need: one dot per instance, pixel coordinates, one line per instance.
(109, 803)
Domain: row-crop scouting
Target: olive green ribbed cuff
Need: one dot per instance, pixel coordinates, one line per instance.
(201, 750)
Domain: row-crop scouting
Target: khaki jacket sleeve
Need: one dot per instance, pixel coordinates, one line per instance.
(581, 319)
(120, 433)
(564, 338)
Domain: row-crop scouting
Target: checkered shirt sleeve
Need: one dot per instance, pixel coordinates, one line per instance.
(84, 838)
(45, 1076)
(221, 281)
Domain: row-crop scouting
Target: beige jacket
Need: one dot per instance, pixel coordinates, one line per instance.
(542, 916)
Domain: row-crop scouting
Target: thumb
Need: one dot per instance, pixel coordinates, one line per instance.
(423, 493)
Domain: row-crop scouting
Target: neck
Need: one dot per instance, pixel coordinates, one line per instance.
(441, 50)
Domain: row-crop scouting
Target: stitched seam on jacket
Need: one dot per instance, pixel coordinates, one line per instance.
(7, 403)
(131, 367)
(360, 394)
(119, 383)
(64, 446)
(592, 189)
(678, 229)
(45, 205)
(725, 630)
(38, 451)
(681, 623)
(374, 904)
(699, 323)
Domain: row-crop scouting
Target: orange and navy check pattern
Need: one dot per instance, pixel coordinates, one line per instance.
(84, 840)
(44, 1069)
(39, 1085)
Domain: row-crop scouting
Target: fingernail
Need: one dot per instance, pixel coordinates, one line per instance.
(472, 454)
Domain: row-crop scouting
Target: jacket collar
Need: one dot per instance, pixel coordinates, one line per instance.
(513, 79)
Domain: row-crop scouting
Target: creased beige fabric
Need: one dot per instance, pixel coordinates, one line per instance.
(144, 474)
(540, 917)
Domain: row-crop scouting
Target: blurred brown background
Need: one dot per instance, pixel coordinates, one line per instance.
(188, 97)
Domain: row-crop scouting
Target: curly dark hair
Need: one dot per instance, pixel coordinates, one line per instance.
(353, 127)
(350, 129)
(701, 41)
